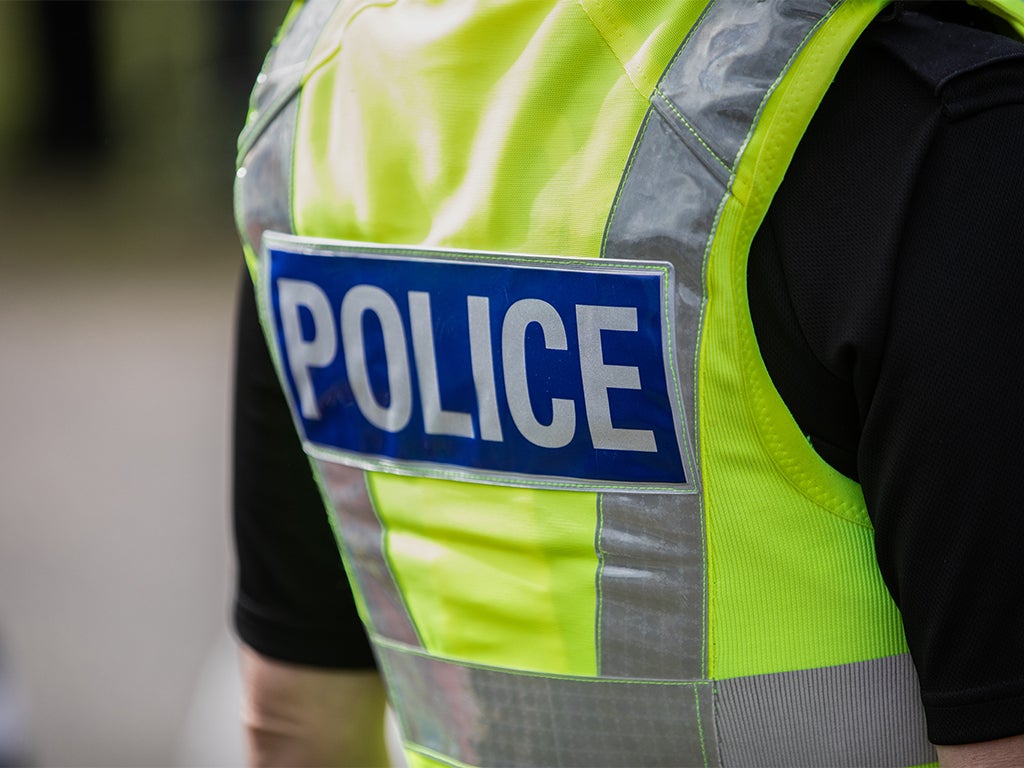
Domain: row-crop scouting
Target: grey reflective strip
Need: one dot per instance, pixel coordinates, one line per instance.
(863, 714)
(263, 203)
(490, 717)
(651, 584)
(729, 65)
(651, 587)
(281, 77)
(855, 715)
(263, 183)
(652, 610)
(363, 542)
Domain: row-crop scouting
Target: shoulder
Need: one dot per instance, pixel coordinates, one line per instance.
(951, 51)
(921, 97)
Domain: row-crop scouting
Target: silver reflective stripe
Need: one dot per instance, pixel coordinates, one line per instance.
(263, 182)
(262, 185)
(490, 717)
(263, 203)
(651, 587)
(853, 715)
(862, 714)
(651, 583)
(652, 605)
(363, 543)
(730, 63)
(281, 77)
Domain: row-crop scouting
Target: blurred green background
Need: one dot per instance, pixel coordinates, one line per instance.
(118, 271)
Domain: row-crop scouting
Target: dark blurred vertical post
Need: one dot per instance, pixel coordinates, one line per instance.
(71, 118)
(240, 41)
(239, 52)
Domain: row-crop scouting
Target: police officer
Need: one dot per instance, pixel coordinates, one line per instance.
(647, 436)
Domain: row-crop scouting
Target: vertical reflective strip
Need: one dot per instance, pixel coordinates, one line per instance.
(263, 183)
(363, 541)
(263, 188)
(652, 587)
(281, 77)
(490, 717)
(653, 617)
(864, 714)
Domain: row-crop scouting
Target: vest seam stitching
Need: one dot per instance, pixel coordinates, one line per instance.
(625, 175)
(611, 49)
(707, 581)
(700, 726)
(599, 586)
(686, 123)
(399, 647)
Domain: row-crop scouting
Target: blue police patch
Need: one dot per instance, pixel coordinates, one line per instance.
(495, 368)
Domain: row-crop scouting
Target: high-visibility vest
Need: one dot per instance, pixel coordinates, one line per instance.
(500, 253)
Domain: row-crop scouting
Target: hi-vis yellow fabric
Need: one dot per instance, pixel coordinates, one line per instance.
(528, 565)
(456, 98)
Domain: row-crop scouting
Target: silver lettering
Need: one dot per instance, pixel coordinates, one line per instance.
(436, 421)
(369, 298)
(481, 357)
(599, 377)
(304, 354)
(513, 354)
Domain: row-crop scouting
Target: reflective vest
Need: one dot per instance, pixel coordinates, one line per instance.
(500, 255)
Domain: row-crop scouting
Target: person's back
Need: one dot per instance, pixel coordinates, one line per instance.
(591, 532)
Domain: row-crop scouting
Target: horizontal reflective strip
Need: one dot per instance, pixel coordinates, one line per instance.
(862, 714)
(490, 717)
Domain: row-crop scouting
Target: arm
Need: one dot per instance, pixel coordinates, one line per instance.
(296, 715)
(1001, 753)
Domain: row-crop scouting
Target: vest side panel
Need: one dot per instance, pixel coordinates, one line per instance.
(794, 583)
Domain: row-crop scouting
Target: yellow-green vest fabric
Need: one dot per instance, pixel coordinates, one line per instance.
(742, 622)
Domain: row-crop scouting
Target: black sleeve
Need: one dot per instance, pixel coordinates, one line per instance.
(293, 602)
(944, 486)
(887, 291)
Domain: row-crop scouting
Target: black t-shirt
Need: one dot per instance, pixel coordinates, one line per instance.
(886, 290)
